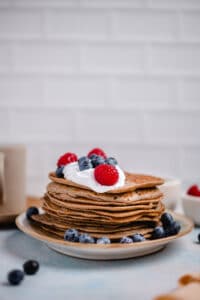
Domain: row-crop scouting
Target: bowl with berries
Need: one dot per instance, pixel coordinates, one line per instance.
(191, 203)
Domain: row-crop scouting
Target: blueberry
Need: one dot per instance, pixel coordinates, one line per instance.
(103, 240)
(31, 267)
(82, 158)
(158, 233)
(59, 172)
(126, 240)
(15, 277)
(84, 163)
(31, 211)
(86, 238)
(138, 238)
(93, 157)
(111, 161)
(71, 235)
(96, 160)
(173, 229)
(198, 237)
(167, 220)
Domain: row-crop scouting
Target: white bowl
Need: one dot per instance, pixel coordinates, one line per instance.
(172, 192)
(191, 207)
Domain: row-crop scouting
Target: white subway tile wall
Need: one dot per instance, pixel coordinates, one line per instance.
(120, 74)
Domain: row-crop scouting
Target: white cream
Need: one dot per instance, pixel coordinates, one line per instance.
(71, 172)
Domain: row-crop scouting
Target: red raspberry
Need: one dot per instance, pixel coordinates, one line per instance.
(106, 174)
(194, 190)
(97, 151)
(66, 159)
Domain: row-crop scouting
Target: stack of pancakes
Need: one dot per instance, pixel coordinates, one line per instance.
(134, 208)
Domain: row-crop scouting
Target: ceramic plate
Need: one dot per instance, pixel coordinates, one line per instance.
(103, 252)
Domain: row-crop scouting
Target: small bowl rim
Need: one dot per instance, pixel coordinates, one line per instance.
(188, 197)
(168, 182)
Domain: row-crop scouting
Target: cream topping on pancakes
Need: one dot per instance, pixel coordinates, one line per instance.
(71, 172)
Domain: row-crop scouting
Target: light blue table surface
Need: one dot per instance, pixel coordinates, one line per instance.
(62, 277)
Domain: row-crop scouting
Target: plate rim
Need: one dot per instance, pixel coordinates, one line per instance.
(148, 243)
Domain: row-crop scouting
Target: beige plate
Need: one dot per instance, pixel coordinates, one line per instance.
(103, 252)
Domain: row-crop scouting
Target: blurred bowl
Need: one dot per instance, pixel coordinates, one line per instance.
(191, 207)
(172, 192)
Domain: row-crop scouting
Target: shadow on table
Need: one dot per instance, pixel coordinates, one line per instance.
(25, 247)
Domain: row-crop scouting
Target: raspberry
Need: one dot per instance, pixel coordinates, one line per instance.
(66, 159)
(194, 190)
(97, 151)
(106, 174)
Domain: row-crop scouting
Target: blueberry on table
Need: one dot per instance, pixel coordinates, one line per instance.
(71, 235)
(15, 277)
(31, 267)
(111, 161)
(173, 229)
(167, 220)
(86, 238)
(96, 160)
(103, 240)
(31, 211)
(138, 238)
(126, 240)
(158, 233)
(59, 172)
(84, 163)
(198, 237)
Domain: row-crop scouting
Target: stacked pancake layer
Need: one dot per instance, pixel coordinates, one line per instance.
(136, 208)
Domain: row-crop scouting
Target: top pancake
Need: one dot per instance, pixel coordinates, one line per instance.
(132, 182)
(74, 194)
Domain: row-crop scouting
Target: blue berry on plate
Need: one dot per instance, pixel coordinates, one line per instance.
(158, 233)
(31, 267)
(126, 240)
(15, 277)
(86, 238)
(84, 163)
(138, 238)
(167, 220)
(96, 160)
(111, 161)
(103, 240)
(173, 229)
(71, 235)
(31, 211)
(59, 172)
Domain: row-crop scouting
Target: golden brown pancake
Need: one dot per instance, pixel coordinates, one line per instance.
(132, 182)
(58, 228)
(61, 191)
(134, 208)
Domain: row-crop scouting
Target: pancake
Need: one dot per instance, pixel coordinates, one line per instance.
(98, 207)
(134, 208)
(93, 211)
(83, 215)
(132, 182)
(68, 192)
(114, 237)
(50, 225)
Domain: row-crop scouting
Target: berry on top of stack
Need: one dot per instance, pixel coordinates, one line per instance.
(107, 174)
(91, 199)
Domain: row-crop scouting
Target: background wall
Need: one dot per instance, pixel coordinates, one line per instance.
(120, 74)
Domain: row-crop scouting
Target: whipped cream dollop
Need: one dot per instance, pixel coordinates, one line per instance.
(71, 172)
